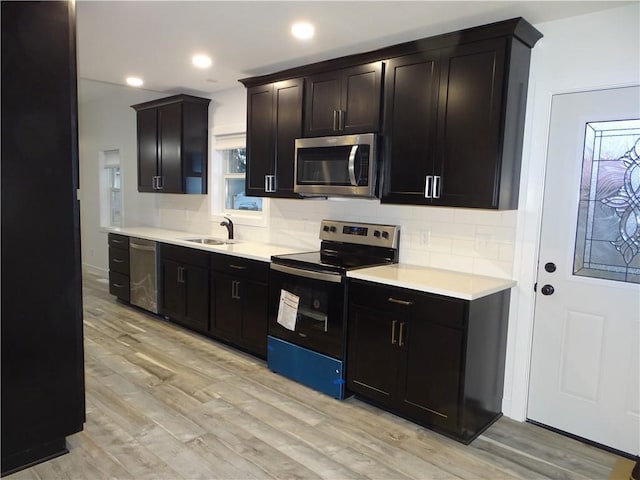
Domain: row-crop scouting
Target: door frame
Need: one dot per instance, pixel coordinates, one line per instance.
(527, 244)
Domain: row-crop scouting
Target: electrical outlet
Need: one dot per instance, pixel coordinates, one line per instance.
(482, 242)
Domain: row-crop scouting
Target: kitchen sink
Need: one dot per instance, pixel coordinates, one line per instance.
(209, 241)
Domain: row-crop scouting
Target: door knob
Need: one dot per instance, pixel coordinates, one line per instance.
(550, 267)
(548, 290)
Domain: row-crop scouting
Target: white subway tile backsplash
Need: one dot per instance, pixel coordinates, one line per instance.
(474, 241)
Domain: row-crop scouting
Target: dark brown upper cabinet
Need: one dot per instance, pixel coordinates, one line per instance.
(173, 144)
(454, 124)
(411, 87)
(452, 118)
(345, 101)
(274, 121)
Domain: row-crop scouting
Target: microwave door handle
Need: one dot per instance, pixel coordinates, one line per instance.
(352, 165)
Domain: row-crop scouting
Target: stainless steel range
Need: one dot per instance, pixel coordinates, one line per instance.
(308, 301)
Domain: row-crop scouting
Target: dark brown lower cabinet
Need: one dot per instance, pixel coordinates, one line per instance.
(239, 302)
(436, 360)
(184, 286)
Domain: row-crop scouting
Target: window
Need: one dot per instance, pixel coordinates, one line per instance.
(608, 233)
(234, 168)
(110, 189)
(230, 166)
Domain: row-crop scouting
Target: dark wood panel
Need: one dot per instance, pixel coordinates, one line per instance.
(147, 125)
(361, 98)
(288, 127)
(119, 285)
(470, 110)
(170, 148)
(373, 354)
(42, 368)
(411, 85)
(119, 260)
(260, 148)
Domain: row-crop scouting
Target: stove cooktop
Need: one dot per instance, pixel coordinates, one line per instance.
(347, 246)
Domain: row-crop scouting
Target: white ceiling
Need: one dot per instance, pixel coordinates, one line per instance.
(155, 39)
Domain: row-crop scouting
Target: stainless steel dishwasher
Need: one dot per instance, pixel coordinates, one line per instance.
(143, 274)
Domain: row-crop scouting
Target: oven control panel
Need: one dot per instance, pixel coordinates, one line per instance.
(362, 233)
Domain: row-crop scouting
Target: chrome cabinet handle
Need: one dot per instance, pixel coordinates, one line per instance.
(428, 186)
(160, 182)
(270, 183)
(117, 260)
(235, 289)
(180, 274)
(393, 332)
(352, 165)
(117, 285)
(336, 126)
(400, 335)
(406, 303)
(237, 267)
(436, 186)
(117, 241)
(341, 119)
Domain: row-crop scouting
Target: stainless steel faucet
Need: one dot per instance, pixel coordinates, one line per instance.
(229, 224)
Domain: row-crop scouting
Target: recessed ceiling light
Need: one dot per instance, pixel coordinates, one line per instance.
(201, 60)
(302, 30)
(134, 81)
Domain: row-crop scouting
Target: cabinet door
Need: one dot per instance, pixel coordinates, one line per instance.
(470, 108)
(430, 380)
(227, 306)
(360, 99)
(255, 300)
(170, 150)
(322, 103)
(147, 125)
(196, 303)
(411, 84)
(288, 126)
(372, 357)
(260, 148)
(171, 290)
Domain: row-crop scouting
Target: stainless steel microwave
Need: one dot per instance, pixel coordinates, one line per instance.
(336, 166)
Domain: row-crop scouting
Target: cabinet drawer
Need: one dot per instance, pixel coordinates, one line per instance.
(447, 311)
(241, 267)
(119, 285)
(119, 241)
(119, 260)
(191, 256)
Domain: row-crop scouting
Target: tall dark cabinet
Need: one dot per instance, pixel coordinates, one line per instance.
(274, 121)
(173, 144)
(42, 349)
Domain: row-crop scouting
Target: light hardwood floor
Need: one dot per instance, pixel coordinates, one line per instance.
(165, 403)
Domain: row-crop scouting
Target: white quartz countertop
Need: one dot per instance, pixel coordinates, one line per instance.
(240, 248)
(461, 285)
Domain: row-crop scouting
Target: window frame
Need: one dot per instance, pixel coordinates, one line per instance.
(110, 159)
(221, 141)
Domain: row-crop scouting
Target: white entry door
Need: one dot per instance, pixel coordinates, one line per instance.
(584, 364)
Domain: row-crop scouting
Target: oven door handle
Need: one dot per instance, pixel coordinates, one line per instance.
(323, 276)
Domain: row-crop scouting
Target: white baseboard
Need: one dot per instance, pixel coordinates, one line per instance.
(93, 270)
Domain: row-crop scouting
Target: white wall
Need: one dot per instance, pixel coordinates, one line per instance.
(592, 51)
(581, 52)
(107, 122)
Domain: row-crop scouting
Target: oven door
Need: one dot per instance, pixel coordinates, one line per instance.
(320, 316)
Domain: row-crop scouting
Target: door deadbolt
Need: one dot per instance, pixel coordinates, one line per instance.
(548, 289)
(550, 267)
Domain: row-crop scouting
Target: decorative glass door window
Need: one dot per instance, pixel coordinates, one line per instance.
(608, 228)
